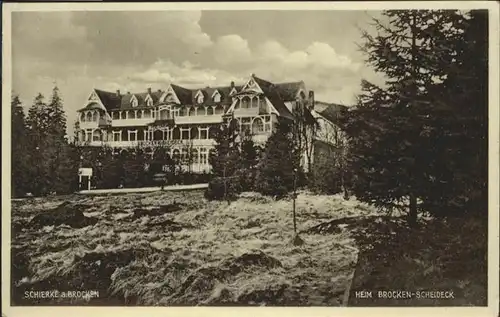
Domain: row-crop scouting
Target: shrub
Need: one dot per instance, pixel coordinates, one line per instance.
(216, 189)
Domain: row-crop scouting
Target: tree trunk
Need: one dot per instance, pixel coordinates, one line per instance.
(412, 212)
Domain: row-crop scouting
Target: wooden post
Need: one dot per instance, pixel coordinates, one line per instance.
(294, 195)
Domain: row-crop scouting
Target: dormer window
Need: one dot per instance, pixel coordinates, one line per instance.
(200, 99)
(217, 97)
(134, 102)
(150, 102)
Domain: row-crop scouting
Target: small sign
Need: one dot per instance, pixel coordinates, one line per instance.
(85, 171)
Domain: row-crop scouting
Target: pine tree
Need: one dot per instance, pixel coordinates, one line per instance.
(390, 148)
(249, 160)
(64, 167)
(225, 162)
(276, 170)
(19, 150)
(39, 154)
(460, 174)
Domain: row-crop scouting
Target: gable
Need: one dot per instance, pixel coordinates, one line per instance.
(93, 97)
(169, 96)
(252, 85)
(95, 100)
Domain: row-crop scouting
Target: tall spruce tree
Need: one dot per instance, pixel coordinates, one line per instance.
(64, 167)
(39, 154)
(19, 149)
(391, 150)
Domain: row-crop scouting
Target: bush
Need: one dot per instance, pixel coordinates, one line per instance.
(217, 188)
(246, 178)
(325, 180)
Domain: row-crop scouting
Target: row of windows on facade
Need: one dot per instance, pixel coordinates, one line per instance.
(256, 125)
(245, 103)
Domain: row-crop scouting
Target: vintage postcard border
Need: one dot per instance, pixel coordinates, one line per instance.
(493, 248)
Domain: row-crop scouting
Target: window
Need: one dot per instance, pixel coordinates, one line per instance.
(203, 156)
(116, 115)
(150, 102)
(203, 133)
(217, 97)
(88, 136)
(192, 111)
(210, 111)
(200, 98)
(123, 115)
(267, 125)
(132, 135)
(147, 114)
(194, 156)
(255, 102)
(97, 135)
(176, 134)
(246, 125)
(139, 114)
(185, 133)
(131, 114)
(94, 116)
(245, 102)
(88, 116)
(117, 136)
(257, 126)
(194, 133)
(183, 112)
(219, 110)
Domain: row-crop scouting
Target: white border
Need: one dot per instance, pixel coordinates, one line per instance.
(493, 247)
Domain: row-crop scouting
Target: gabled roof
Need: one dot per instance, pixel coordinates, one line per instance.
(273, 94)
(278, 104)
(329, 111)
(185, 95)
(110, 100)
(289, 91)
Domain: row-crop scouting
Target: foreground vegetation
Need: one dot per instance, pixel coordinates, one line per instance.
(179, 249)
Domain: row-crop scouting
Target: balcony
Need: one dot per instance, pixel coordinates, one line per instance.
(88, 124)
(202, 119)
(131, 122)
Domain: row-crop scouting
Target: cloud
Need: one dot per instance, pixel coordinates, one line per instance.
(231, 49)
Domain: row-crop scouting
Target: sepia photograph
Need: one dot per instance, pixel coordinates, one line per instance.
(203, 155)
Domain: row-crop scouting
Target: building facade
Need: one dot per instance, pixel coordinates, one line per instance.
(184, 120)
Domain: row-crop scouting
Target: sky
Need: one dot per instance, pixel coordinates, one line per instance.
(136, 50)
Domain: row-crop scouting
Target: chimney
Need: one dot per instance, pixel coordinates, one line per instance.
(311, 100)
(232, 84)
(118, 92)
(159, 90)
(149, 90)
(128, 92)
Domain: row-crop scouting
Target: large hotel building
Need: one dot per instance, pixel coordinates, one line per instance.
(178, 117)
